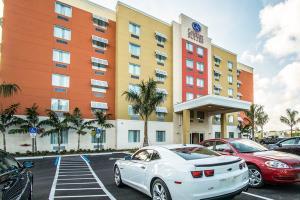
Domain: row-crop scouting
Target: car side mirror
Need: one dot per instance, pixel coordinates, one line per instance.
(127, 157)
(279, 144)
(28, 164)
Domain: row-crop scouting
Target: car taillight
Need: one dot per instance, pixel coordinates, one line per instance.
(209, 173)
(197, 174)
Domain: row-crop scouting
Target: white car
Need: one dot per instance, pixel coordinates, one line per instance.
(180, 172)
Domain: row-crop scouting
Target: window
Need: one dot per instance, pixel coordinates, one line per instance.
(189, 63)
(100, 21)
(194, 153)
(189, 47)
(223, 147)
(189, 80)
(200, 82)
(61, 56)
(133, 136)
(134, 69)
(63, 9)
(99, 42)
(134, 88)
(230, 119)
(131, 111)
(142, 155)
(217, 134)
(217, 118)
(200, 52)
(238, 85)
(289, 142)
(134, 29)
(200, 67)
(230, 79)
(60, 105)
(60, 80)
(231, 134)
(134, 50)
(209, 144)
(102, 138)
(160, 136)
(217, 60)
(62, 33)
(160, 39)
(217, 76)
(99, 64)
(189, 96)
(160, 75)
(160, 57)
(63, 138)
(230, 65)
(230, 92)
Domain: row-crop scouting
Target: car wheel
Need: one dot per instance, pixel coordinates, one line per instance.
(160, 191)
(118, 179)
(255, 177)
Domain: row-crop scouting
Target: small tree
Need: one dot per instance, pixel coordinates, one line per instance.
(31, 121)
(8, 89)
(262, 121)
(244, 129)
(253, 117)
(290, 119)
(8, 120)
(56, 125)
(79, 125)
(101, 120)
(145, 101)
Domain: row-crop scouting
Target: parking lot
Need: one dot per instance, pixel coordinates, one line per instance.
(81, 177)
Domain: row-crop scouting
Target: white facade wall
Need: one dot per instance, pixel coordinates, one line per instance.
(123, 126)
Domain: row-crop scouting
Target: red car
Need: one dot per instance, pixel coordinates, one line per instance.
(265, 166)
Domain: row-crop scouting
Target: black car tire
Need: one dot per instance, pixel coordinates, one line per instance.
(255, 176)
(117, 176)
(159, 183)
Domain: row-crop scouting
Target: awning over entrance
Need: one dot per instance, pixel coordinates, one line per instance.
(213, 104)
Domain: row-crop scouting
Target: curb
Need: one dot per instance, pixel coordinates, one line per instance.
(68, 155)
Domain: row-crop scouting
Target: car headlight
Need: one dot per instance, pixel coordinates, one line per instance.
(276, 164)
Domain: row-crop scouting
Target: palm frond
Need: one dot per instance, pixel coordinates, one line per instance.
(9, 89)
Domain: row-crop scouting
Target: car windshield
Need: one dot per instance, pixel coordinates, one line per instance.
(247, 146)
(193, 153)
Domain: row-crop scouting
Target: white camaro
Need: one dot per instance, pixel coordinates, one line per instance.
(180, 172)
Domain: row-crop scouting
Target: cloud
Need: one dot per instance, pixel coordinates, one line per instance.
(251, 58)
(279, 93)
(280, 27)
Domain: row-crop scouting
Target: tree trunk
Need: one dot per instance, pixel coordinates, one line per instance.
(291, 131)
(35, 146)
(145, 143)
(58, 141)
(32, 141)
(78, 145)
(253, 137)
(4, 141)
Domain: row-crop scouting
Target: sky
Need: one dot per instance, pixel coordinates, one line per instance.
(264, 33)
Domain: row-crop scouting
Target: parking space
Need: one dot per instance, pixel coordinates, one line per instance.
(81, 177)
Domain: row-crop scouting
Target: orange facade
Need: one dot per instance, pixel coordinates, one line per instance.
(246, 87)
(27, 50)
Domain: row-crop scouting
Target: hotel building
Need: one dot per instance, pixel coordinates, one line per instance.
(68, 54)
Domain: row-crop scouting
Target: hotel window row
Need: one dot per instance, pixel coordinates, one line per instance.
(190, 48)
(190, 65)
(134, 136)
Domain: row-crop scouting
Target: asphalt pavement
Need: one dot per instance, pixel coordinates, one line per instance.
(95, 173)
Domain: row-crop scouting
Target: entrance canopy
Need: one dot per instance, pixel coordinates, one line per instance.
(214, 104)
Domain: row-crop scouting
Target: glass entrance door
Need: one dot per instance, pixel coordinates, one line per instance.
(196, 138)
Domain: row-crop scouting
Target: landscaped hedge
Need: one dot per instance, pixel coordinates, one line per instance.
(72, 151)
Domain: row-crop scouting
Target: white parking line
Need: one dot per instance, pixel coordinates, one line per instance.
(257, 196)
(99, 182)
(84, 183)
(69, 179)
(52, 192)
(96, 195)
(77, 175)
(79, 189)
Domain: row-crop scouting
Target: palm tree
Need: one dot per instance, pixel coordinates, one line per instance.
(101, 120)
(253, 117)
(262, 120)
(79, 125)
(243, 128)
(290, 119)
(31, 121)
(8, 89)
(57, 125)
(145, 101)
(8, 120)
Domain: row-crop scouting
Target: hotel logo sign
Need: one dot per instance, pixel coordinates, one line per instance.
(194, 33)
